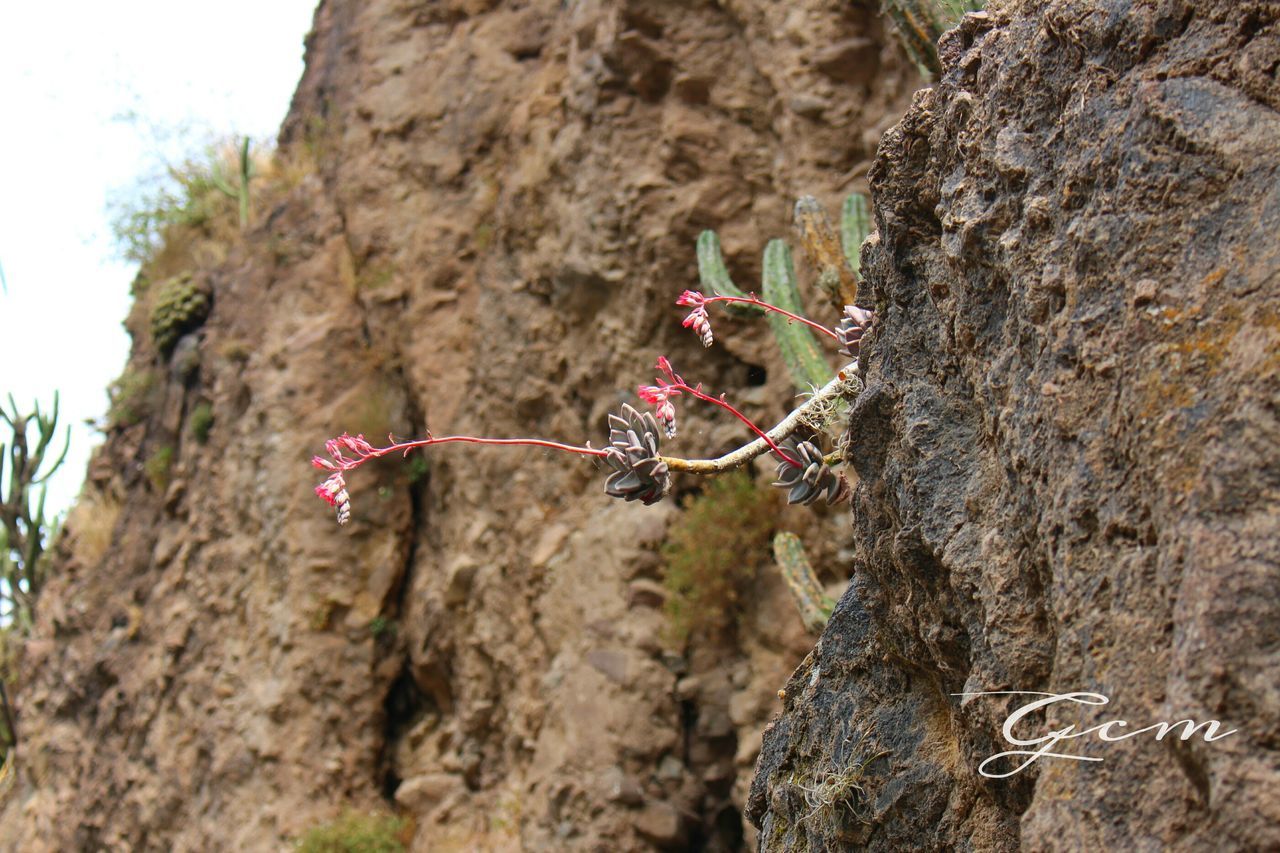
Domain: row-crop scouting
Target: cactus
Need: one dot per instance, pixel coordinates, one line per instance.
(799, 347)
(855, 226)
(918, 26)
(823, 250)
(180, 306)
(24, 532)
(714, 275)
(238, 193)
(834, 259)
(920, 23)
(814, 605)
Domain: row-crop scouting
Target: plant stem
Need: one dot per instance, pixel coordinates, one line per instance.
(345, 464)
(724, 404)
(759, 303)
(762, 445)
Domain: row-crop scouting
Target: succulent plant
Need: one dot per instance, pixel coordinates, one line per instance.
(850, 329)
(180, 306)
(808, 481)
(639, 473)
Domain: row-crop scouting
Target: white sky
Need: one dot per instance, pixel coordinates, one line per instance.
(69, 72)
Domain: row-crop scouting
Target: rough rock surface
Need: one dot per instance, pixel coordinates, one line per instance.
(1068, 451)
(500, 207)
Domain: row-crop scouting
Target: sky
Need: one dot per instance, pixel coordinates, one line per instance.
(96, 98)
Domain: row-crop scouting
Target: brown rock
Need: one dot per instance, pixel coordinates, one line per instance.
(1055, 491)
(661, 824)
(421, 793)
(646, 593)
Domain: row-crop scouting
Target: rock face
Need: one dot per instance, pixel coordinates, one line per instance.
(1068, 450)
(490, 209)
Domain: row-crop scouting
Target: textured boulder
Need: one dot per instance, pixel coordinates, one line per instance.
(1068, 449)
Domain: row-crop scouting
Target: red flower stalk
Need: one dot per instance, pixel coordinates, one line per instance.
(701, 323)
(675, 385)
(334, 492)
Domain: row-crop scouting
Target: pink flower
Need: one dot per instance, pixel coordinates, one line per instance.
(697, 319)
(333, 491)
(357, 444)
(666, 413)
(659, 396)
(701, 325)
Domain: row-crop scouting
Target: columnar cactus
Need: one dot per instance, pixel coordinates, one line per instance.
(802, 582)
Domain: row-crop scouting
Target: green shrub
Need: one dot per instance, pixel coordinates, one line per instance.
(201, 422)
(714, 551)
(208, 193)
(157, 468)
(355, 833)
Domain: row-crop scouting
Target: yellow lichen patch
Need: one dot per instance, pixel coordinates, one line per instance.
(940, 737)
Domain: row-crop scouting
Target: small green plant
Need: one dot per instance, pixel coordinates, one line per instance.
(130, 398)
(157, 468)
(712, 553)
(356, 832)
(380, 625)
(417, 468)
(201, 422)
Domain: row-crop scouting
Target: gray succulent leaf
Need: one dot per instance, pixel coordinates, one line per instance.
(850, 330)
(638, 472)
(812, 478)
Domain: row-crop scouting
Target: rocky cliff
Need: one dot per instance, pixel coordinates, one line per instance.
(485, 212)
(1068, 451)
